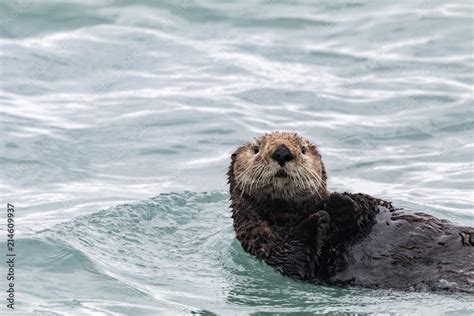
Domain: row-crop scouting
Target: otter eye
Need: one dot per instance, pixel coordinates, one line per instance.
(233, 156)
(303, 150)
(256, 149)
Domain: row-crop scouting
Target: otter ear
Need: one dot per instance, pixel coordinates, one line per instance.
(233, 156)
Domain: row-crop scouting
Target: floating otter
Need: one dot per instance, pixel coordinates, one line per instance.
(284, 215)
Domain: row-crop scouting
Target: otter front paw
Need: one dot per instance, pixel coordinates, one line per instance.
(315, 229)
(341, 208)
(322, 232)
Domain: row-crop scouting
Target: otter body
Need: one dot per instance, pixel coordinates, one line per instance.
(284, 215)
(410, 251)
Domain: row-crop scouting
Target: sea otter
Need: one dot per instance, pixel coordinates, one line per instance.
(284, 215)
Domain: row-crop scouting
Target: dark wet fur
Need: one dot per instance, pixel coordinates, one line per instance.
(355, 239)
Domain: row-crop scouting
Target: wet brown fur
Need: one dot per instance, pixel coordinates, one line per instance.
(307, 233)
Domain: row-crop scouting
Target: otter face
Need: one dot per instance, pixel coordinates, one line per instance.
(278, 165)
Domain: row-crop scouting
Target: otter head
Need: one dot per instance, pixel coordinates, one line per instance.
(278, 165)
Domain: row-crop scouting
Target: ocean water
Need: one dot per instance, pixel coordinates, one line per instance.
(118, 119)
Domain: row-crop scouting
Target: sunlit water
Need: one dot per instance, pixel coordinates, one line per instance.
(118, 120)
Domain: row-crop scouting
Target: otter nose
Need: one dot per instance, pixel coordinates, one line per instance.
(282, 154)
